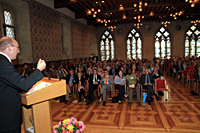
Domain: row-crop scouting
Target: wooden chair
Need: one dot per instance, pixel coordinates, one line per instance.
(111, 92)
(184, 75)
(141, 91)
(116, 90)
(190, 78)
(160, 85)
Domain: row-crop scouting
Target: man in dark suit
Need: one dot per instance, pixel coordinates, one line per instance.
(11, 86)
(71, 80)
(93, 85)
(147, 81)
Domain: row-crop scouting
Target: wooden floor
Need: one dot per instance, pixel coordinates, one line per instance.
(180, 113)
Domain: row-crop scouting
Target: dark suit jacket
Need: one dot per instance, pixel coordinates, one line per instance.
(11, 84)
(196, 75)
(143, 79)
(75, 79)
(91, 78)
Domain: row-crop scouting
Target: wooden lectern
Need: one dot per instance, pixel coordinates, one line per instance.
(37, 105)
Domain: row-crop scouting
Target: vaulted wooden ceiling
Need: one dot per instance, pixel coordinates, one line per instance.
(111, 14)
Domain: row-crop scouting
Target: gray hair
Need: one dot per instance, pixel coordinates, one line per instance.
(4, 42)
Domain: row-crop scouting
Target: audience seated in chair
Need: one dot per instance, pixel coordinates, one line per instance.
(71, 80)
(147, 82)
(120, 82)
(81, 87)
(94, 81)
(106, 82)
(132, 84)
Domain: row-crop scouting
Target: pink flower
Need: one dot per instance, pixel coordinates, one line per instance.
(73, 120)
(60, 122)
(77, 131)
(54, 131)
(64, 125)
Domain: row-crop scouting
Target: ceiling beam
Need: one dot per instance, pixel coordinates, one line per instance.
(145, 15)
(64, 3)
(83, 14)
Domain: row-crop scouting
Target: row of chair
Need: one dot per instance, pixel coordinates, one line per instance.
(160, 85)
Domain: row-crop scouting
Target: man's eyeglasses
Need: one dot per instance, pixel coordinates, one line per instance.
(16, 47)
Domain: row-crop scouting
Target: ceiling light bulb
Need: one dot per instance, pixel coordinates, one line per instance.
(92, 9)
(145, 3)
(140, 2)
(192, 5)
(141, 24)
(186, 0)
(115, 27)
(142, 16)
(190, 1)
(94, 15)
(140, 9)
(108, 27)
(139, 20)
(135, 5)
(109, 21)
(102, 1)
(111, 13)
(89, 12)
(99, 10)
(95, 12)
(135, 17)
(101, 21)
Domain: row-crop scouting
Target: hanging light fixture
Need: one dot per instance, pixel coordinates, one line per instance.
(135, 5)
(121, 7)
(145, 3)
(124, 16)
(99, 10)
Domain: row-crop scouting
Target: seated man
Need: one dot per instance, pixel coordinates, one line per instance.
(106, 82)
(132, 84)
(197, 74)
(71, 80)
(25, 72)
(147, 81)
(94, 81)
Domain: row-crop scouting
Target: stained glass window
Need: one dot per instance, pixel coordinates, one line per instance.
(8, 25)
(192, 42)
(107, 46)
(162, 43)
(134, 45)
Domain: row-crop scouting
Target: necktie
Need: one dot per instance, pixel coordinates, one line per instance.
(106, 81)
(147, 79)
(95, 77)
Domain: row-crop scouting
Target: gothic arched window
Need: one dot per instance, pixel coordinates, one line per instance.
(107, 46)
(192, 42)
(134, 45)
(162, 43)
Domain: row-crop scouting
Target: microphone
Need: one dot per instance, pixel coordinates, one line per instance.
(42, 71)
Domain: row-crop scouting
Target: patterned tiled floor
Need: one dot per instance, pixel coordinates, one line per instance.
(179, 113)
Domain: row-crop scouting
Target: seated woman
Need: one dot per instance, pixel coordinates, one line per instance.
(190, 66)
(155, 73)
(120, 82)
(81, 86)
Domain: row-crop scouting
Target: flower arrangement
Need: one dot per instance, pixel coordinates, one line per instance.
(69, 126)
